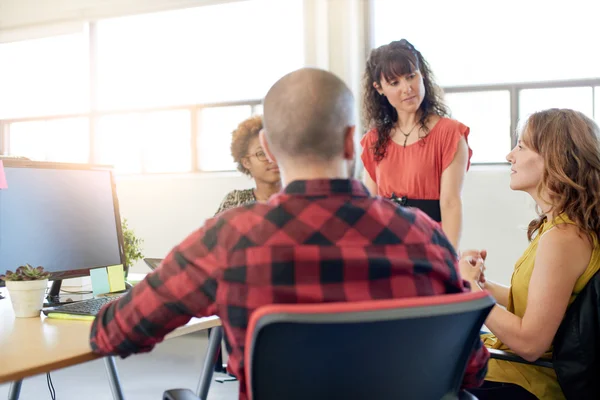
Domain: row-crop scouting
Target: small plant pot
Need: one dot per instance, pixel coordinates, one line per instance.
(27, 297)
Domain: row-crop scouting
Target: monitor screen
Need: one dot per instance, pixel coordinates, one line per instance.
(60, 216)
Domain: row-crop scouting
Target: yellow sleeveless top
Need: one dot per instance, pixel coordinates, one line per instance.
(542, 382)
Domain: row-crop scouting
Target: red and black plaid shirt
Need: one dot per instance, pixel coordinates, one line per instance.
(317, 241)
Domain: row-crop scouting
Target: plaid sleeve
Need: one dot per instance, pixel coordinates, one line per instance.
(477, 366)
(182, 287)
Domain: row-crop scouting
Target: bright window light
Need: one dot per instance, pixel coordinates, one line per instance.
(59, 140)
(44, 77)
(225, 52)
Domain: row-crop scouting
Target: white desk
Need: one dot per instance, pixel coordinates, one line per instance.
(31, 346)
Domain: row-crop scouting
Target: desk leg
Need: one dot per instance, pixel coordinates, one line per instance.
(113, 378)
(15, 390)
(214, 346)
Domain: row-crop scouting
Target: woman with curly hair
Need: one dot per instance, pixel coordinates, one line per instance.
(252, 161)
(413, 153)
(556, 162)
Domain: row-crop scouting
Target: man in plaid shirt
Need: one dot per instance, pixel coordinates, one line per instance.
(322, 239)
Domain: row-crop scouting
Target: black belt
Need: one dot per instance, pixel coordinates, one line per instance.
(429, 207)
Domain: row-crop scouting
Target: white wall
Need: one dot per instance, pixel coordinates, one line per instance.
(496, 219)
(164, 209)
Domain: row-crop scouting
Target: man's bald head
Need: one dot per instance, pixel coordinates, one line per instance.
(307, 114)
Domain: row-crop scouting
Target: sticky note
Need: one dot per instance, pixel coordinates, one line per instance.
(100, 283)
(77, 317)
(3, 183)
(116, 278)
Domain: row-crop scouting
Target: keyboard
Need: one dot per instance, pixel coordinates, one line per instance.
(84, 307)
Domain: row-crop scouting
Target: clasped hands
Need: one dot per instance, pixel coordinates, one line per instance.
(472, 267)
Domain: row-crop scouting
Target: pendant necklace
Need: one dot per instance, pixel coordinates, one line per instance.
(406, 135)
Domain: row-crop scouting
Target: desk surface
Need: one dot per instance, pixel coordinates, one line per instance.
(30, 346)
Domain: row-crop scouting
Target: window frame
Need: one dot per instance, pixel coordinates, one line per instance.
(513, 88)
(93, 114)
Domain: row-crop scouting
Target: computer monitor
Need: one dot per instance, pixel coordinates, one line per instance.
(64, 217)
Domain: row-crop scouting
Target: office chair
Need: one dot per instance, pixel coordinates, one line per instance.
(576, 346)
(402, 348)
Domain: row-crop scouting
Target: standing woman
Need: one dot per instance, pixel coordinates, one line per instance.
(413, 153)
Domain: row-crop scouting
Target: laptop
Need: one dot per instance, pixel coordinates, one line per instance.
(153, 263)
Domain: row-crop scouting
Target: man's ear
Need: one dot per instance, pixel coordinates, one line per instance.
(265, 146)
(349, 145)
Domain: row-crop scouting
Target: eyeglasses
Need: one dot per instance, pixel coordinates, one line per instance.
(260, 156)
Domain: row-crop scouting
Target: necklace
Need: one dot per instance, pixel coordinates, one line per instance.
(406, 135)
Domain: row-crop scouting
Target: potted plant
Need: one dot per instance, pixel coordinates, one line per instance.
(132, 246)
(27, 287)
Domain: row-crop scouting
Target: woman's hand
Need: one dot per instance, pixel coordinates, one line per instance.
(477, 254)
(471, 268)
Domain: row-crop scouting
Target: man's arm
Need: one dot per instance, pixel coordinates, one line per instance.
(182, 287)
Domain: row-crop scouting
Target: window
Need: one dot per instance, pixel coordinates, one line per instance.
(60, 140)
(480, 50)
(171, 86)
(145, 142)
(227, 52)
(44, 77)
(577, 98)
(214, 141)
(518, 42)
(488, 116)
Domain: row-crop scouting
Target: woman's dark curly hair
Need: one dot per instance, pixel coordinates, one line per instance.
(240, 140)
(388, 62)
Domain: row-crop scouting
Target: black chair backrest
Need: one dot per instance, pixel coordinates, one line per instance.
(409, 352)
(576, 354)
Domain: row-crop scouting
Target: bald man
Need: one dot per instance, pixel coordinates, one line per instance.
(322, 239)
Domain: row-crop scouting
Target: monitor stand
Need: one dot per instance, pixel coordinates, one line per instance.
(56, 298)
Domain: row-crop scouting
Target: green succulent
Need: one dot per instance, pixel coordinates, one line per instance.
(26, 273)
(132, 245)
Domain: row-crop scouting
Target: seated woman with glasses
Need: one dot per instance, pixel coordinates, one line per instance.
(252, 161)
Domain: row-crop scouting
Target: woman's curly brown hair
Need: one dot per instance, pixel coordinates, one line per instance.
(241, 138)
(388, 62)
(569, 143)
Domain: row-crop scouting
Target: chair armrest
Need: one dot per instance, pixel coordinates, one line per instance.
(180, 394)
(508, 356)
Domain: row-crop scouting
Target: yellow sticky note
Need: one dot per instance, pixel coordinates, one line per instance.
(76, 317)
(116, 278)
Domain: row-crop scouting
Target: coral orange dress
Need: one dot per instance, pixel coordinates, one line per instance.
(413, 173)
